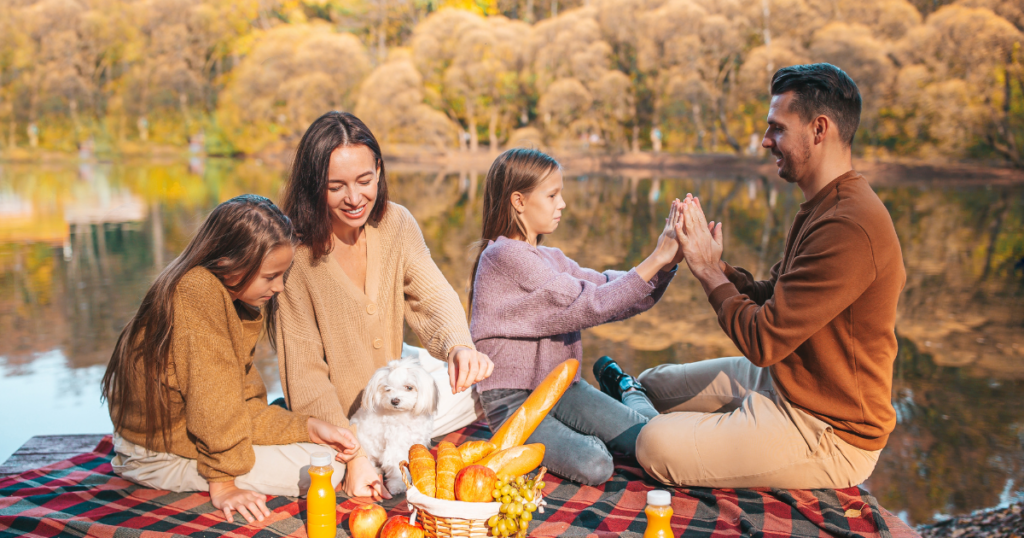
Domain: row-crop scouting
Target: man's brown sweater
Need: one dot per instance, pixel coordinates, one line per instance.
(218, 400)
(825, 322)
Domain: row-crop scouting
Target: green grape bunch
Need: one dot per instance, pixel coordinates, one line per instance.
(519, 498)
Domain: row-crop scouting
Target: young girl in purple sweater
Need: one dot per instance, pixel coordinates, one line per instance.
(529, 304)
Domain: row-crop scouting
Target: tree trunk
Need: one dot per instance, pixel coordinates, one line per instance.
(767, 37)
(528, 16)
(634, 143)
(1004, 127)
(183, 100)
(698, 122)
(725, 129)
(474, 138)
(382, 30)
(492, 130)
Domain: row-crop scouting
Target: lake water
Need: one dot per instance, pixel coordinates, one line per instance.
(80, 243)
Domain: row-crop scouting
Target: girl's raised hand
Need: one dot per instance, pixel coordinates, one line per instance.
(226, 496)
(340, 439)
(666, 252)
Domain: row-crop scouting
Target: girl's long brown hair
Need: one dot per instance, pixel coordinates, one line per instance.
(516, 170)
(305, 194)
(233, 241)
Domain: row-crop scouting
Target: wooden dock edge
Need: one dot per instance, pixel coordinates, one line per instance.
(43, 450)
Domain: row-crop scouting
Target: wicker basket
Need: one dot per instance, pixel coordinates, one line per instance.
(452, 527)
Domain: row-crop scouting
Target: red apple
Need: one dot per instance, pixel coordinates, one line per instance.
(399, 527)
(365, 520)
(474, 484)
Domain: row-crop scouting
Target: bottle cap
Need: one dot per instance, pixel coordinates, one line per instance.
(320, 459)
(659, 497)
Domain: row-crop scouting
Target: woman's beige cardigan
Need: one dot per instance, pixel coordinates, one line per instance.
(331, 336)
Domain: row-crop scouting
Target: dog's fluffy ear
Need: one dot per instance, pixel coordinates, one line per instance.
(427, 395)
(371, 396)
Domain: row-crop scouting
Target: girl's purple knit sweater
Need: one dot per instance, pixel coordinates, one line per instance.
(530, 304)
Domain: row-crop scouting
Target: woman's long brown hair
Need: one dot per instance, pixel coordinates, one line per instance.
(516, 170)
(233, 241)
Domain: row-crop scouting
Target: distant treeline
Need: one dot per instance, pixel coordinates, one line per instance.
(939, 79)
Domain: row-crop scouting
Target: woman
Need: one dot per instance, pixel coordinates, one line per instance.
(189, 408)
(362, 270)
(530, 304)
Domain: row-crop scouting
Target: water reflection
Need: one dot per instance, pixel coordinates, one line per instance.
(80, 245)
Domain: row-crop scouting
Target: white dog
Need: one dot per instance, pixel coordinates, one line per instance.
(397, 411)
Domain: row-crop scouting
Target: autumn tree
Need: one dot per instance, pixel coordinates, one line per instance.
(959, 88)
(391, 103)
(292, 76)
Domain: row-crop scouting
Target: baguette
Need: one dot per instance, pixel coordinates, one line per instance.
(515, 461)
(521, 425)
(474, 451)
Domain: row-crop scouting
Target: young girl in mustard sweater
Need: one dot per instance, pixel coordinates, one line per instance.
(188, 405)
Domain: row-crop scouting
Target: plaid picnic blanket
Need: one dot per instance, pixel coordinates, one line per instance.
(83, 497)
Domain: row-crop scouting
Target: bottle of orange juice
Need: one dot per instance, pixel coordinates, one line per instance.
(659, 514)
(321, 502)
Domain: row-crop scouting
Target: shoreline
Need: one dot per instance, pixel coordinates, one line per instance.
(989, 522)
(641, 165)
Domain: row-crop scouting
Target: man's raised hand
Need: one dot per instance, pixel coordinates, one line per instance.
(702, 244)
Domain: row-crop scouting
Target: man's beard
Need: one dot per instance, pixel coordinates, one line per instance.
(793, 161)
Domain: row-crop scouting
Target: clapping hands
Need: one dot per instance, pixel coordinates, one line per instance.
(701, 243)
(688, 236)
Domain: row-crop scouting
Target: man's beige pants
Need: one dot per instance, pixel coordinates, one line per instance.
(279, 469)
(725, 426)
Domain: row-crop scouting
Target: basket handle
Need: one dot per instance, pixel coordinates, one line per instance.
(403, 468)
(537, 480)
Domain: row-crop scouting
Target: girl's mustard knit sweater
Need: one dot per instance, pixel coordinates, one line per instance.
(218, 400)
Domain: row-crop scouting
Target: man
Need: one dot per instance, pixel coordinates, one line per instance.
(808, 406)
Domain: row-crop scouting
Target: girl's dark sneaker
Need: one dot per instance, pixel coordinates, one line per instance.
(612, 380)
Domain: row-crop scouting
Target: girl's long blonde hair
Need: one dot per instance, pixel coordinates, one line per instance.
(234, 240)
(516, 170)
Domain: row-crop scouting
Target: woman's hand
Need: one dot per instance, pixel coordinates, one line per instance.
(666, 253)
(467, 366)
(362, 480)
(226, 496)
(340, 439)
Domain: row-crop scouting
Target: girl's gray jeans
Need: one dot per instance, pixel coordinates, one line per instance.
(582, 431)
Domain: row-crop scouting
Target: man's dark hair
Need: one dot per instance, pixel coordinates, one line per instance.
(821, 89)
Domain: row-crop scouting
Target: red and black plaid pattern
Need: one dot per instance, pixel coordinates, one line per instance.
(83, 497)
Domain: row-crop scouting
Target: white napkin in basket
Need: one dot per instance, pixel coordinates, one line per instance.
(449, 509)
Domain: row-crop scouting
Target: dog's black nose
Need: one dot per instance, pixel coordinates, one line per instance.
(395, 401)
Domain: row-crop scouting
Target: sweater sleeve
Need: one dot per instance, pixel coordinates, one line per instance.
(305, 375)
(660, 282)
(758, 290)
(271, 424)
(832, 269)
(549, 302)
(432, 308)
(211, 381)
